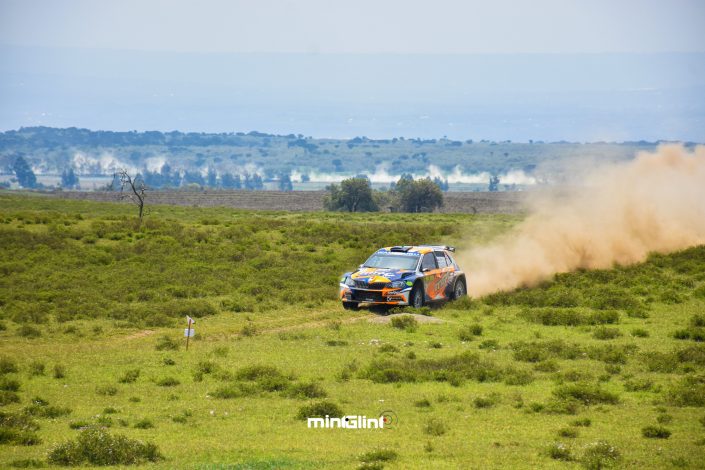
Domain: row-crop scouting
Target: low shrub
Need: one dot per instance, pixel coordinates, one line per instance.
(59, 371)
(20, 437)
(144, 423)
(568, 432)
(547, 366)
(168, 382)
(107, 390)
(423, 403)
(7, 366)
(435, 427)
(582, 422)
(319, 409)
(405, 322)
(29, 331)
(129, 376)
(639, 385)
(165, 343)
(586, 393)
(379, 455)
(655, 432)
(560, 451)
(689, 391)
(599, 455)
(640, 333)
(467, 333)
(7, 398)
(485, 402)
(306, 390)
(9, 385)
(490, 344)
(605, 333)
(452, 369)
(27, 463)
(96, 446)
(514, 376)
(249, 330)
(542, 351)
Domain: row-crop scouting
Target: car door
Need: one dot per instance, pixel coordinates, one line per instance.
(445, 273)
(431, 277)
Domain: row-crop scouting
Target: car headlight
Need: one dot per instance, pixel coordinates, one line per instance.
(349, 282)
(397, 284)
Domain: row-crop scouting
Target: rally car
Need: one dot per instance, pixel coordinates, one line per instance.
(404, 275)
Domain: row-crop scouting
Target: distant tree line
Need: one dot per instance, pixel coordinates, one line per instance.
(406, 195)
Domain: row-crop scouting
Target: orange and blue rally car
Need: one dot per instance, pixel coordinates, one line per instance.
(404, 275)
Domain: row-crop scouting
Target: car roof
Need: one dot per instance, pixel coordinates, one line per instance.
(413, 249)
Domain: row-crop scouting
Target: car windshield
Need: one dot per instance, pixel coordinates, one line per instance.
(382, 260)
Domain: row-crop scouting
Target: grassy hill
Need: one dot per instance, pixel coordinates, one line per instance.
(590, 369)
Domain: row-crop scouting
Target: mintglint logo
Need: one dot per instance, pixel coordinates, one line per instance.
(386, 418)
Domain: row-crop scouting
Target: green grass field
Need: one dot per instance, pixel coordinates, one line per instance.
(593, 369)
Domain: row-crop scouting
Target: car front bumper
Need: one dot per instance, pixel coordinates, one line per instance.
(375, 297)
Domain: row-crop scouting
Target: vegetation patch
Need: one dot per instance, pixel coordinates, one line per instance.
(453, 369)
(95, 446)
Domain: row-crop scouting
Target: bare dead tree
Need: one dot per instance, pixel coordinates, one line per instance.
(132, 189)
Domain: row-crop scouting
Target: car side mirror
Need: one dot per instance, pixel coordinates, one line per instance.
(425, 270)
(361, 266)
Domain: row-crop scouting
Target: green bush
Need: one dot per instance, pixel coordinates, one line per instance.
(582, 422)
(9, 385)
(165, 343)
(600, 455)
(14, 436)
(452, 369)
(7, 398)
(689, 391)
(95, 446)
(586, 393)
(107, 390)
(144, 423)
(306, 390)
(405, 322)
(59, 371)
(560, 451)
(655, 432)
(606, 333)
(28, 331)
(168, 382)
(130, 376)
(27, 463)
(379, 455)
(7, 366)
(319, 409)
(435, 427)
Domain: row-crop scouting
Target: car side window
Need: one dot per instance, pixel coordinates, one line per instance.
(449, 260)
(440, 259)
(428, 261)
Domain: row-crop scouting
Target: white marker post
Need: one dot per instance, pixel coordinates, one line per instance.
(188, 332)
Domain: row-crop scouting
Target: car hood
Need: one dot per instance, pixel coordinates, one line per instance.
(377, 275)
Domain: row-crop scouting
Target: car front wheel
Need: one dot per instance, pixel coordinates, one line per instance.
(417, 297)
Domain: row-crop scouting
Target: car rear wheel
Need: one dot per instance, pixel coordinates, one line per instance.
(459, 289)
(417, 297)
(351, 306)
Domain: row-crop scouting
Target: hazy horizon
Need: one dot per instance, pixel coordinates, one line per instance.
(544, 70)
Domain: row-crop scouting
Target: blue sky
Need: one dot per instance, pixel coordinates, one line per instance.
(360, 26)
(517, 70)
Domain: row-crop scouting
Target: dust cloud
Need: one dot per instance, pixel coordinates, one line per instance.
(618, 215)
